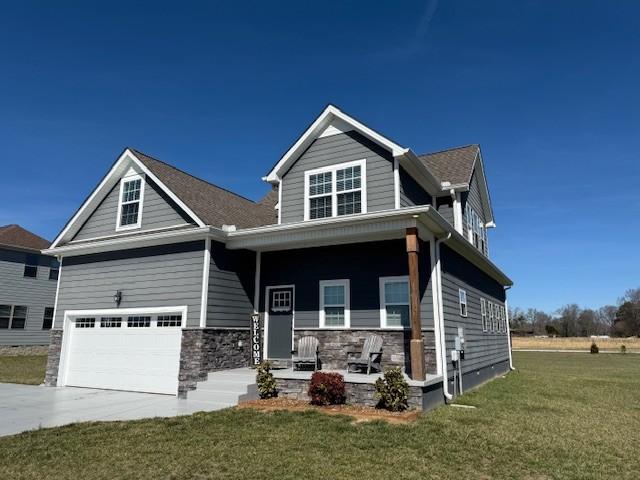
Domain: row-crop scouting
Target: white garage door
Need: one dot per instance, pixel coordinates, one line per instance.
(138, 352)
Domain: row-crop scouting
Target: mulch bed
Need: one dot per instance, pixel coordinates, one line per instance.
(359, 414)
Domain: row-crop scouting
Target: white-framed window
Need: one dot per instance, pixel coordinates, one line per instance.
(85, 322)
(395, 311)
(138, 322)
(109, 322)
(476, 230)
(492, 327)
(130, 202)
(502, 327)
(483, 314)
(336, 190)
(169, 321)
(462, 299)
(334, 304)
(281, 301)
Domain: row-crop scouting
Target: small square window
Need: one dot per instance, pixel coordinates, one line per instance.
(169, 321)
(138, 322)
(111, 322)
(84, 322)
(281, 301)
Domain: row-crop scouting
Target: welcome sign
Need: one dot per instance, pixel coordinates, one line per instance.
(256, 344)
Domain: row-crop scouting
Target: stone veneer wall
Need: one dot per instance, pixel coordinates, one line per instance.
(335, 344)
(206, 350)
(357, 393)
(53, 360)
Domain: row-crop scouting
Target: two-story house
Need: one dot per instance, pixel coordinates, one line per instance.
(28, 282)
(161, 272)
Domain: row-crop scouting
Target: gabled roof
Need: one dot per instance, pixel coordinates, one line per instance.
(214, 205)
(16, 236)
(455, 165)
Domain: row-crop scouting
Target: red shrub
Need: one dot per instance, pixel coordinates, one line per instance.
(327, 389)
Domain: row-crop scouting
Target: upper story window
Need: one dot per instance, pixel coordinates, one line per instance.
(462, 298)
(476, 231)
(335, 191)
(394, 302)
(31, 266)
(54, 269)
(130, 202)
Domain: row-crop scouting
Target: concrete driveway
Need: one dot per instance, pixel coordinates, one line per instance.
(28, 407)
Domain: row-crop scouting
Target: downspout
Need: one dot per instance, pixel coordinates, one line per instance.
(443, 348)
(506, 309)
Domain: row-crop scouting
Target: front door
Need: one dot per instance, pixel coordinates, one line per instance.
(279, 329)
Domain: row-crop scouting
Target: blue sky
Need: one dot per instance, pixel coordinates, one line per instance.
(549, 89)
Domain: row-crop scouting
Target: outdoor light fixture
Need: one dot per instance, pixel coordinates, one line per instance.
(240, 344)
(117, 297)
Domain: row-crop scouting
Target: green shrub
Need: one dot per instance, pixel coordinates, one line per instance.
(392, 391)
(594, 348)
(623, 349)
(266, 382)
(327, 389)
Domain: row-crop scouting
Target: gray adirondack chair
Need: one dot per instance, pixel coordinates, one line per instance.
(307, 353)
(370, 356)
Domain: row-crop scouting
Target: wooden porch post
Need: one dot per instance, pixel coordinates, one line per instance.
(416, 349)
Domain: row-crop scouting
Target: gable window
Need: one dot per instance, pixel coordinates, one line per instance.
(130, 202)
(462, 298)
(13, 317)
(47, 319)
(335, 191)
(483, 314)
(334, 304)
(476, 231)
(31, 266)
(394, 302)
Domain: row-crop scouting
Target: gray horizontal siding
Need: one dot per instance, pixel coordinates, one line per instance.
(332, 150)
(363, 264)
(445, 208)
(158, 211)
(34, 293)
(231, 286)
(482, 349)
(147, 277)
(411, 193)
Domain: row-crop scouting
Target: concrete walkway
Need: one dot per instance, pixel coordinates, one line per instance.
(28, 407)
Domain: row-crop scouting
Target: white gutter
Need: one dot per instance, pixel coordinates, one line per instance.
(440, 306)
(506, 309)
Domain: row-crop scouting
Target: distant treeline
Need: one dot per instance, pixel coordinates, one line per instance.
(622, 320)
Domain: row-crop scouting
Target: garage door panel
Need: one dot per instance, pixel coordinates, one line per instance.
(143, 359)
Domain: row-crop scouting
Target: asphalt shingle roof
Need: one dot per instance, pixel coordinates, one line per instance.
(214, 205)
(16, 236)
(454, 165)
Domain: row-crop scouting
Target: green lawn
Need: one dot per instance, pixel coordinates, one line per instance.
(27, 369)
(559, 416)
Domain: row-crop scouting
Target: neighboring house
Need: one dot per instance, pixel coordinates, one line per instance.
(28, 282)
(162, 271)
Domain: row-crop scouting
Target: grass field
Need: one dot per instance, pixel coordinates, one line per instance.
(559, 416)
(576, 343)
(27, 369)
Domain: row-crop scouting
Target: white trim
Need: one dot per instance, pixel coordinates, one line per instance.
(70, 314)
(396, 183)
(436, 310)
(256, 283)
(506, 309)
(105, 186)
(316, 129)
(463, 293)
(55, 303)
(334, 193)
(265, 340)
(280, 184)
(204, 300)
(457, 212)
(126, 234)
(484, 314)
(126, 179)
(383, 305)
(347, 303)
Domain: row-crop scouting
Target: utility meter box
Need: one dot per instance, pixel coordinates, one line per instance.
(454, 356)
